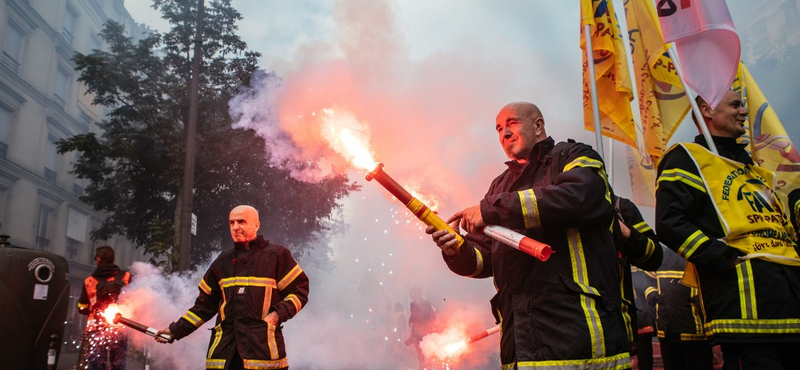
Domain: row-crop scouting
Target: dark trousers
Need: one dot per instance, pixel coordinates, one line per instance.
(686, 355)
(644, 356)
(767, 356)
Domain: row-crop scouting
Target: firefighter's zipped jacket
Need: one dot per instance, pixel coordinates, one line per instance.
(564, 313)
(242, 286)
(753, 301)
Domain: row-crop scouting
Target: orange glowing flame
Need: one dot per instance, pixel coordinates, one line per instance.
(455, 349)
(109, 313)
(349, 137)
(451, 344)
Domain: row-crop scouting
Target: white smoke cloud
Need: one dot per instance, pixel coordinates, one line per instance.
(156, 300)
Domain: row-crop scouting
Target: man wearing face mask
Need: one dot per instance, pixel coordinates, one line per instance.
(564, 313)
(254, 287)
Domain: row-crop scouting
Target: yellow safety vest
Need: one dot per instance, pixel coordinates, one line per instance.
(751, 214)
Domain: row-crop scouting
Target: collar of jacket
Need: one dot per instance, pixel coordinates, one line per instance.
(105, 271)
(539, 153)
(728, 147)
(258, 242)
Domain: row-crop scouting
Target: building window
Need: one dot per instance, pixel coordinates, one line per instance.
(51, 160)
(5, 130)
(13, 41)
(73, 247)
(62, 87)
(70, 19)
(42, 228)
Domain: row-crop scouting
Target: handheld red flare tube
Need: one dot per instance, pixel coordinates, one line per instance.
(484, 334)
(118, 319)
(518, 241)
(413, 204)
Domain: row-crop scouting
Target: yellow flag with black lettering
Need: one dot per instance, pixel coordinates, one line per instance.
(769, 143)
(662, 102)
(614, 92)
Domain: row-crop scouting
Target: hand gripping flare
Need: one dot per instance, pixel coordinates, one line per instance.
(514, 239)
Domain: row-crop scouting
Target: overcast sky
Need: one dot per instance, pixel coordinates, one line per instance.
(427, 78)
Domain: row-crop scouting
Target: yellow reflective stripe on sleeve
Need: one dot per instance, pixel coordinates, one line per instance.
(214, 363)
(688, 178)
(530, 209)
(204, 287)
(193, 319)
(273, 344)
(265, 364)
(691, 243)
(649, 290)
(747, 296)
(289, 278)
(478, 263)
(642, 227)
(581, 276)
(295, 300)
(583, 162)
(755, 326)
(616, 362)
(215, 343)
(648, 251)
(247, 281)
(83, 305)
(591, 163)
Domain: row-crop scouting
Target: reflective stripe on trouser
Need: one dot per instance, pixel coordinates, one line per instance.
(620, 361)
(265, 364)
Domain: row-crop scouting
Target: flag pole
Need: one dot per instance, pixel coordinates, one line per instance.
(690, 94)
(598, 133)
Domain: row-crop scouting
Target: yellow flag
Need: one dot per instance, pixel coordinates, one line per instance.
(643, 177)
(770, 145)
(611, 73)
(662, 102)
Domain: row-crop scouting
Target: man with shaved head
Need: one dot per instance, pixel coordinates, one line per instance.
(252, 288)
(564, 313)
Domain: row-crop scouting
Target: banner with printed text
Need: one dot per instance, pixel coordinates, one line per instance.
(614, 91)
(662, 101)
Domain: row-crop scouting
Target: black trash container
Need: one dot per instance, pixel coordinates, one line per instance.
(34, 300)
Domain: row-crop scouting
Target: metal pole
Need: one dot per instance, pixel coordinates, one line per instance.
(191, 147)
(690, 94)
(598, 133)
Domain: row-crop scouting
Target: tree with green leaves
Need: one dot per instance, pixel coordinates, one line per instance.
(135, 165)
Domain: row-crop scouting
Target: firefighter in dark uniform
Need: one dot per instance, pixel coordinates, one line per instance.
(252, 288)
(684, 344)
(564, 313)
(638, 247)
(644, 281)
(104, 346)
(721, 214)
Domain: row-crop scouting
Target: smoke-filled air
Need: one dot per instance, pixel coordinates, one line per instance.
(357, 98)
